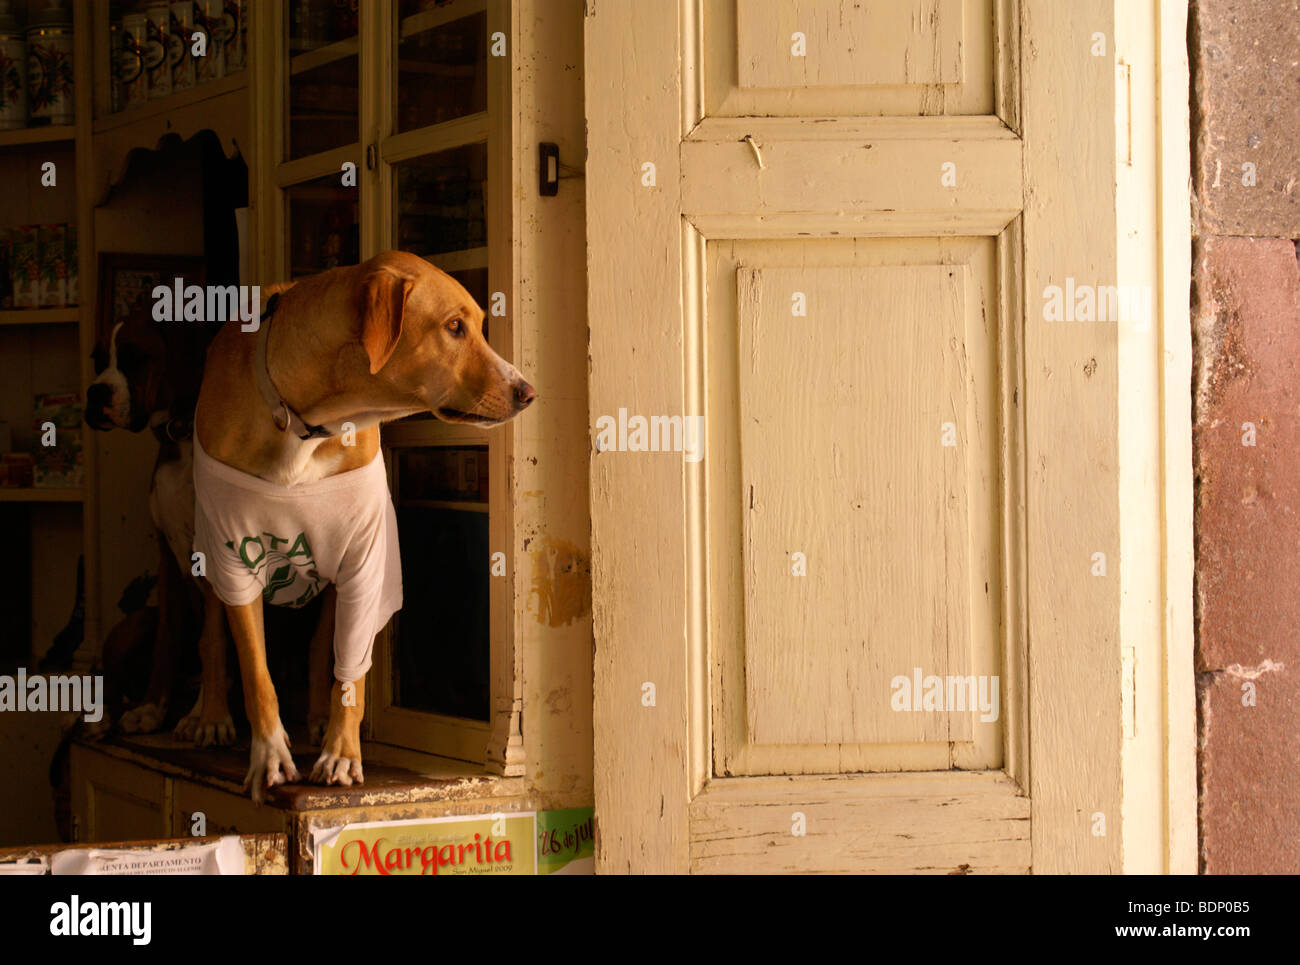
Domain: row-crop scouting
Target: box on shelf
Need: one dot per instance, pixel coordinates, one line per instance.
(25, 266)
(70, 256)
(60, 465)
(6, 281)
(52, 242)
(16, 469)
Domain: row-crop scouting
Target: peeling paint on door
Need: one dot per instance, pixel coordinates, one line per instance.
(561, 582)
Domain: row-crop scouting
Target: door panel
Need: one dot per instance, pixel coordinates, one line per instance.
(925, 43)
(886, 430)
(910, 824)
(884, 58)
(807, 415)
(821, 653)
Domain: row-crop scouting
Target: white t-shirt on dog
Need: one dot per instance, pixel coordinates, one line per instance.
(288, 542)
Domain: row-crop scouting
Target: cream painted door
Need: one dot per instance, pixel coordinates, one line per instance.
(860, 627)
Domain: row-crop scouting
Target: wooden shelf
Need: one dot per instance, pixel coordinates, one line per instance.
(437, 16)
(38, 135)
(467, 71)
(460, 506)
(459, 260)
(323, 55)
(30, 494)
(41, 316)
(185, 98)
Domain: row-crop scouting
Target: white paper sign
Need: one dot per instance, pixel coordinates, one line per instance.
(36, 866)
(224, 857)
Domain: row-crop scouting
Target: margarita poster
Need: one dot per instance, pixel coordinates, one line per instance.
(481, 844)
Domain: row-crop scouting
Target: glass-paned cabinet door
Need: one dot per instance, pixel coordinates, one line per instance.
(439, 165)
(324, 75)
(441, 497)
(441, 61)
(324, 226)
(440, 213)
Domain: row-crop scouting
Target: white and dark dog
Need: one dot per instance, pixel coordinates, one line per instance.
(147, 377)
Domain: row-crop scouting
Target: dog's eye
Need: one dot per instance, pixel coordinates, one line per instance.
(456, 327)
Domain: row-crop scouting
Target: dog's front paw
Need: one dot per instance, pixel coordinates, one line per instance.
(97, 730)
(144, 719)
(335, 769)
(219, 732)
(186, 728)
(206, 726)
(340, 757)
(270, 763)
(316, 730)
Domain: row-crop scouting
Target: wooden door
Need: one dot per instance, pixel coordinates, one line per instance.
(825, 228)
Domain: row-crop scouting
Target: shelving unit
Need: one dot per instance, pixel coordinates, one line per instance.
(320, 56)
(39, 352)
(30, 494)
(181, 99)
(49, 349)
(41, 316)
(38, 135)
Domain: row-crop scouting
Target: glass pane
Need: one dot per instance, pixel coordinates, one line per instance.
(324, 231)
(441, 63)
(323, 75)
(475, 281)
(441, 207)
(441, 659)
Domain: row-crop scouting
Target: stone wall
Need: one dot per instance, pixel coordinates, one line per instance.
(1245, 63)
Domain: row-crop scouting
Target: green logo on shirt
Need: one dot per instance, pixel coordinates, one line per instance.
(289, 578)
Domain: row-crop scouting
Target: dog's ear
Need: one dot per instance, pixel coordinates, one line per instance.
(383, 301)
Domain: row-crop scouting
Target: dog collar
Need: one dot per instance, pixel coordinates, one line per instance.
(168, 429)
(281, 412)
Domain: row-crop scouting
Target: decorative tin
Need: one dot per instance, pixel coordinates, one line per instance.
(49, 66)
(52, 242)
(156, 65)
(13, 72)
(71, 256)
(232, 34)
(25, 266)
(180, 39)
(6, 286)
(129, 61)
(208, 16)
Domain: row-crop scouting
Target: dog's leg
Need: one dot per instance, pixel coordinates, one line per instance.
(320, 670)
(340, 756)
(209, 723)
(270, 762)
(147, 716)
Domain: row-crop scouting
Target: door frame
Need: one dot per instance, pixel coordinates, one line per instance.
(1109, 411)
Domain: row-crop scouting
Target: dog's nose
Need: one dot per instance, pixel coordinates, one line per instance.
(524, 395)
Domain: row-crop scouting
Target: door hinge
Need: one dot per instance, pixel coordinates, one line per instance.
(1124, 114)
(1128, 678)
(548, 169)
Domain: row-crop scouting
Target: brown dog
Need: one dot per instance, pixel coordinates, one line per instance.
(359, 345)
